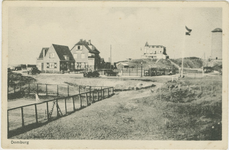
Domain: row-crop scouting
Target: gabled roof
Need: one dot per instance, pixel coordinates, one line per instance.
(62, 50)
(41, 54)
(86, 44)
(217, 30)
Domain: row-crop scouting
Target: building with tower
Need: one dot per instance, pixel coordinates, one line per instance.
(154, 51)
(216, 44)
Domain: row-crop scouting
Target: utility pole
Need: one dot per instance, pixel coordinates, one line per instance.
(110, 56)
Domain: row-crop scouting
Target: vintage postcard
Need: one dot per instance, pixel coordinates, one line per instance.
(120, 75)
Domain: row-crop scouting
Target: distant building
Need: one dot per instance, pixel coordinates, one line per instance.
(86, 55)
(216, 44)
(154, 51)
(56, 58)
(122, 64)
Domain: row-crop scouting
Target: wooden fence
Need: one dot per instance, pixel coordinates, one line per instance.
(41, 89)
(45, 111)
(145, 71)
(20, 90)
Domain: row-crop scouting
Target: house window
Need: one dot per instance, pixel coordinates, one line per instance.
(160, 51)
(47, 65)
(82, 55)
(55, 65)
(157, 46)
(155, 52)
(51, 55)
(82, 65)
(75, 56)
(79, 47)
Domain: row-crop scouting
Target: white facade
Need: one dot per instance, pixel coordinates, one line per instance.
(154, 51)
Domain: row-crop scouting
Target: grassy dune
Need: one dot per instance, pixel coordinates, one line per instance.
(149, 114)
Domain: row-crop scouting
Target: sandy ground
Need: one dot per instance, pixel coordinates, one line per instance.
(74, 80)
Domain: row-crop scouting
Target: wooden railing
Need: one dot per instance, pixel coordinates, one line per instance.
(40, 112)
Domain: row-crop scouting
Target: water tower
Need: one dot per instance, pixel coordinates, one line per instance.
(216, 47)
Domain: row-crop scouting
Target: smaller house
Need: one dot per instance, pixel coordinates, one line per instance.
(121, 65)
(86, 55)
(56, 58)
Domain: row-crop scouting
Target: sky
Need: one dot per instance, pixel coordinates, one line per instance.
(127, 29)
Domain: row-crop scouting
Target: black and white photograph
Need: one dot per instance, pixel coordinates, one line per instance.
(114, 71)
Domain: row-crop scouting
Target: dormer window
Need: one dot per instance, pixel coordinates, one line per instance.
(79, 47)
(66, 57)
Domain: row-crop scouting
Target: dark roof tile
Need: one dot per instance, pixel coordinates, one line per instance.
(62, 50)
(41, 54)
(86, 44)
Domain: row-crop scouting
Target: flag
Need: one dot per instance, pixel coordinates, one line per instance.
(188, 31)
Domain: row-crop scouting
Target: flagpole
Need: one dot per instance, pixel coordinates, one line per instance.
(183, 48)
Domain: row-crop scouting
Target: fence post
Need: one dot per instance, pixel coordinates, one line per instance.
(98, 94)
(79, 89)
(141, 70)
(108, 92)
(46, 89)
(68, 90)
(36, 113)
(22, 117)
(87, 98)
(90, 94)
(29, 89)
(37, 88)
(80, 100)
(93, 98)
(57, 92)
(57, 113)
(47, 106)
(65, 104)
(73, 103)
(129, 71)
(112, 90)
(103, 94)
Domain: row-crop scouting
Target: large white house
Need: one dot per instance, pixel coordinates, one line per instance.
(154, 51)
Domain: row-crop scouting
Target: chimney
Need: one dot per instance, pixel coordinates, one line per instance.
(89, 41)
(81, 40)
